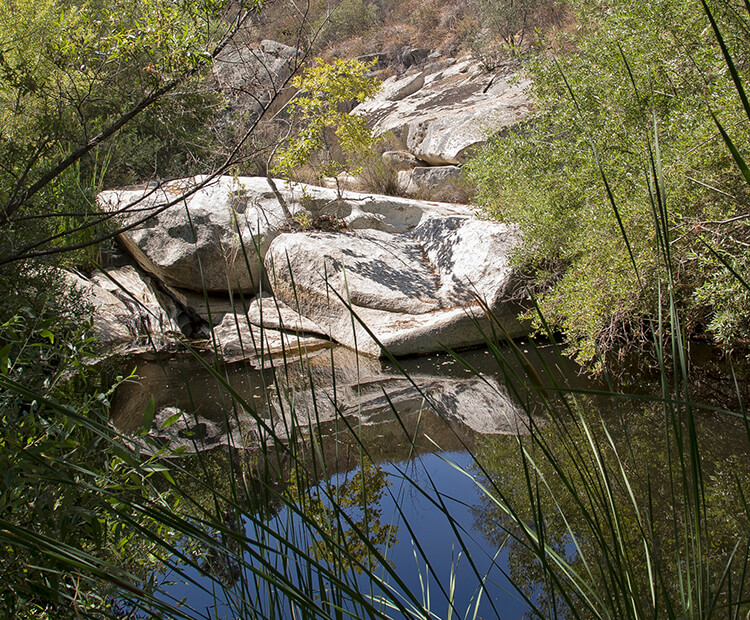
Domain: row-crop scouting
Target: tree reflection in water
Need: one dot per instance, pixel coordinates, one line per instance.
(635, 516)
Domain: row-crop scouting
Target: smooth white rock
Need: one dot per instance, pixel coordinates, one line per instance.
(216, 236)
(410, 291)
(453, 111)
(267, 311)
(200, 233)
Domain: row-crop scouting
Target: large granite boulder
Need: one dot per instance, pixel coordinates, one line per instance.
(200, 234)
(443, 111)
(417, 274)
(411, 292)
(356, 210)
(267, 311)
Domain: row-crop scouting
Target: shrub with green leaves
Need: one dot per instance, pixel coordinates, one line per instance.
(622, 114)
(504, 26)
(347, 18)
(318, 113)
(64, 490)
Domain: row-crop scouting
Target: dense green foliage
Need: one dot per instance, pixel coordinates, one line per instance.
(65, 488)
(89, 95)
(613, 495)
(623, 122)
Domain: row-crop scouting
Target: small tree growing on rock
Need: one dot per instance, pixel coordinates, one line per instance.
(319, 114)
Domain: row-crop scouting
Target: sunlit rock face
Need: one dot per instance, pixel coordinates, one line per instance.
(446, 182)
(199, 233)
(399, 275)
(407, 293)
(211, 234)
(442, 111)
(237, 338)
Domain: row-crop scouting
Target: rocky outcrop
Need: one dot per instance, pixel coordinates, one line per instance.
(211, 235)
(430, 181)
(409, 292)
(254, 75)
(441, 112)
(127, 310)
(406, 86)
(239, 339)
(270, 312)
(402, 274)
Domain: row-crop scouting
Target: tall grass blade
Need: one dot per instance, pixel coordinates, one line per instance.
(728, 60)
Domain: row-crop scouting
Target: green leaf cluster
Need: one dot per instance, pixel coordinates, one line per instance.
(67, 482)
(319, 110)
(70, 70)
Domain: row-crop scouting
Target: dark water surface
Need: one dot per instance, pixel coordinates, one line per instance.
(444, 445)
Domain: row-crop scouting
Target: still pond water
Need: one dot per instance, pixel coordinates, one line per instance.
(440, 448)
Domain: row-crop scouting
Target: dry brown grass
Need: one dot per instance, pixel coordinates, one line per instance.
(437, 25)
(379, 177)
(430, 24)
